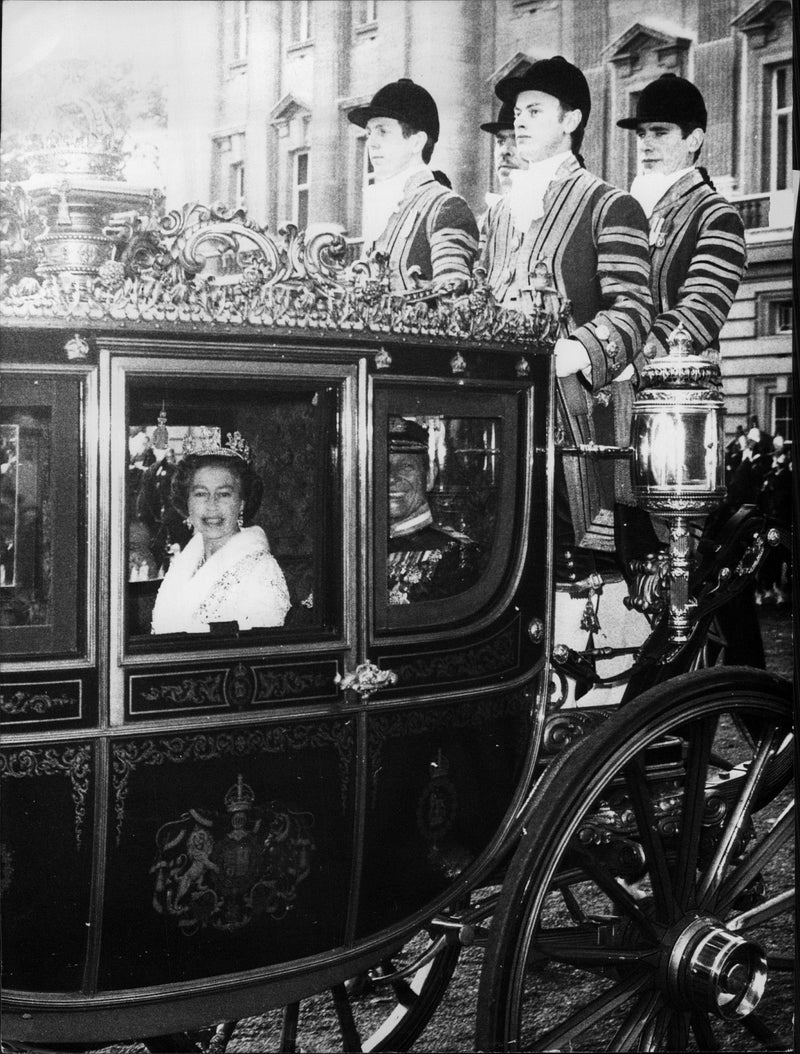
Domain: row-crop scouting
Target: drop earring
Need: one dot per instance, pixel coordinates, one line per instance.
(240, 518)
(189, 525)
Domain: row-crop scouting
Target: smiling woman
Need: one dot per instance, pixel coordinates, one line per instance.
(226, 572)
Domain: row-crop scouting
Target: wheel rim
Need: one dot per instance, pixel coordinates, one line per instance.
(646, 904)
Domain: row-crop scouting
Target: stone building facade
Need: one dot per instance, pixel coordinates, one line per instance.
(260, 91)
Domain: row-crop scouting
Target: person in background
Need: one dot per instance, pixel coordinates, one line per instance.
(226, 573)
(425, 560)
(507, 162)
(775, 501)
(427, 232)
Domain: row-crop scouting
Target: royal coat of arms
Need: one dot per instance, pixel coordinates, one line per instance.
(223, 869)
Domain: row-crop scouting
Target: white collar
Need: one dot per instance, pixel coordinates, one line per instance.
(411, 524)
(529, 186)
(382, 199)
(650, 187)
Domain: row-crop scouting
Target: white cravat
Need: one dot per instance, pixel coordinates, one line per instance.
(528, 188)
(650, 188)
(490, 198)
(382, 199)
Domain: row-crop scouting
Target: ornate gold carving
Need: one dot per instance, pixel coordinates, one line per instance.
(202, 264)
(73, 762)
(223, 869)
(127, 756)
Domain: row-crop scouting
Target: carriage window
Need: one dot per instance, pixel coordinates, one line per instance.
(42, 517)
(232, 508)
(445, 541)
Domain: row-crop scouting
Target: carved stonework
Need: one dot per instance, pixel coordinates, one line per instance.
(201, 264)
(73, 762)
(126, 757)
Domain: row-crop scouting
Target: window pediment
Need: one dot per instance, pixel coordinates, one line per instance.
(516, 66)
(762, 21)
(666, 41)
(288, 108)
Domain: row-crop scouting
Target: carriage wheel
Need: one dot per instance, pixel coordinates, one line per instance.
(377, 1011)
(649, 906)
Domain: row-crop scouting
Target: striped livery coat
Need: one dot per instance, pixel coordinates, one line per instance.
(432, 235)
(697, 256)
(592, 239)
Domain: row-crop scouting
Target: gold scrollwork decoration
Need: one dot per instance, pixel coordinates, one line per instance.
(126, 757)
(74, 762)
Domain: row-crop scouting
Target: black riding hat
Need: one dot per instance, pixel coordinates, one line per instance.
(672, 100)
(404, 101)
(504, 122)
(556, 77)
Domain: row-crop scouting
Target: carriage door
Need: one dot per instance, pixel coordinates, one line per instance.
(449, 725)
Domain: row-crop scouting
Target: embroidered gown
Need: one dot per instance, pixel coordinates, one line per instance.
(241, 582)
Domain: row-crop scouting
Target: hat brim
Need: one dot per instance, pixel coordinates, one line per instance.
(493, 127)
(629, 122)
(361, 115)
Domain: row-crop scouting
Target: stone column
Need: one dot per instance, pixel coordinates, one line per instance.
(445, 58)
(193, 85)
(327, 141)
(263, 73)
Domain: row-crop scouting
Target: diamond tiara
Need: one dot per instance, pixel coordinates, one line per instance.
(206, 444)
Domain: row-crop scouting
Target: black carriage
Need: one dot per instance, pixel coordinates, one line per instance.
(200, 827)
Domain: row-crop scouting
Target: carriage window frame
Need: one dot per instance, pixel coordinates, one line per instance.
(470, 607)
(67, 638)
(136, 649)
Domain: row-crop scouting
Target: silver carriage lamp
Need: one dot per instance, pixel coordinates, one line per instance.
(678, 457)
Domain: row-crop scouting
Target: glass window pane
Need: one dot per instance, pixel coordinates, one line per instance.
(442, 544)
(302, 169)
(302, 209)
(782, 162)
(780, 86)
(42, 517)
(231, 547)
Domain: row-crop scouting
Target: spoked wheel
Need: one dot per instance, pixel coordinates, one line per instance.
(384, 1009)
(650, 904)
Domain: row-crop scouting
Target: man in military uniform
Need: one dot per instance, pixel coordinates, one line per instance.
(425, 560)
(567, 233)
(697, 248)
(427, 232)
(697, 256)
(564, 233)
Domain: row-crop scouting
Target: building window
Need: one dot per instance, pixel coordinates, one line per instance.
(367, 12)
(780, 127)
(775, 314)
(236, 31)
(300, 189)
(782, 417)
(236, 185)
(301, 21)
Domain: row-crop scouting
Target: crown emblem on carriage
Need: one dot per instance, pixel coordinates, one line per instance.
(240, 797)
(206, 443)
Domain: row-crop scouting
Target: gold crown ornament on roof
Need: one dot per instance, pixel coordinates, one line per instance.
(206, 443)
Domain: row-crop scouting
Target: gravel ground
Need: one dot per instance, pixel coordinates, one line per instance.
(451, 1028)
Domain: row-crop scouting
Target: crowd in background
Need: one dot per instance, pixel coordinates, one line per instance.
(758, 471)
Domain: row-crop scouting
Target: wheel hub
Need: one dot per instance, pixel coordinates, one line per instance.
(707, 966)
